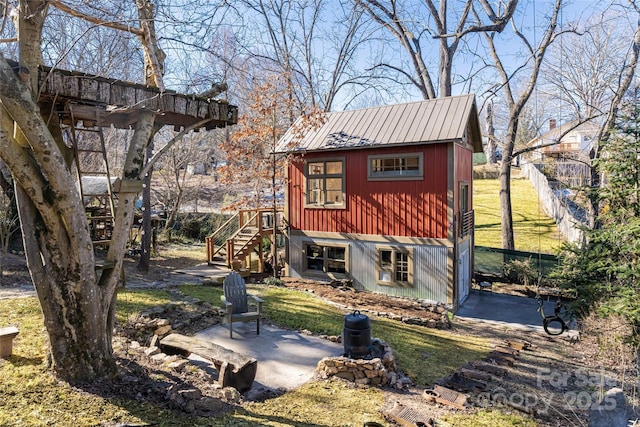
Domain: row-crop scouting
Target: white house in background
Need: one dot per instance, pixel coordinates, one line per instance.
(575, 145)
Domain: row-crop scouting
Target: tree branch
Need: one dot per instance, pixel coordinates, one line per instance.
(110, 24)
(169, 144)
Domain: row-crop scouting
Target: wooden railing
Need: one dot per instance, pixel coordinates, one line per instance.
(239, 234)
(218, 239)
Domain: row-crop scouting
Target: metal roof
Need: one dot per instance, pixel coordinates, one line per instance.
(430, 121)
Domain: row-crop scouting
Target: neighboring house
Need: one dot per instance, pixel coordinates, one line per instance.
(567, 159)
(574, 145)
(383, 196)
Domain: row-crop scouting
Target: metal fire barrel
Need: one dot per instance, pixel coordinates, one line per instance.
(356, 335)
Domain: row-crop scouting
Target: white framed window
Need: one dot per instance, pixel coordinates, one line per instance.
(326, 259)
(394, 266)
(325, 183)
(395, 167)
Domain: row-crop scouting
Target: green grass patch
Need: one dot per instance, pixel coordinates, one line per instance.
(299, 310)
(133, 302)
(487, 418)
(330, 403)
(533, 230)
(424, 354)
(30, 396)
(203, 293)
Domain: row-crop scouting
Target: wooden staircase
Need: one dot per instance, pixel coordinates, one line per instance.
(241, 237)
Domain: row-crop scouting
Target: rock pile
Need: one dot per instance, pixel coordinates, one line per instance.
(184, 314)
(196, 393)
(435, 316)
(375, 371)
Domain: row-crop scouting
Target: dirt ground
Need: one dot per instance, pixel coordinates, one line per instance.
(553, 380)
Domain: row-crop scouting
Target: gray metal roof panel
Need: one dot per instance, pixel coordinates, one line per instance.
(440, 119)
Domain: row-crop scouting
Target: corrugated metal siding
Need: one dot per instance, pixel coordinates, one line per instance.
(430, 267)
(416, 208)
(434, 120)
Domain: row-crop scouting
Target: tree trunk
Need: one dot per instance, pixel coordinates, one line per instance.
(508, 241)
(506, 211)
(145, 240)
(78, 307)
(490, 150)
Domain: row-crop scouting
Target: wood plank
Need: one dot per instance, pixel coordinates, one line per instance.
(104, 91)
(89, 89)
(9, 331)
(70, 87)
(128, 186)
(206, 349)
(234, 370)
(179, 105)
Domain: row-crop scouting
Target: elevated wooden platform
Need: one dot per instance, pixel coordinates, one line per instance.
(76, 96)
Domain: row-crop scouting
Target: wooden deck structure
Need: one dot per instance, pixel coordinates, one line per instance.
(80, 102)
(77, 96)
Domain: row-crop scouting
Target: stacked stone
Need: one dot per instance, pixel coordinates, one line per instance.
(438, 320)
(376, 371)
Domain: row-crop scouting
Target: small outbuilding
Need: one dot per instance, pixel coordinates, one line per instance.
(383, 197)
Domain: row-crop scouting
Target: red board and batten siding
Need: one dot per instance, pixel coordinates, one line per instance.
(414, 208)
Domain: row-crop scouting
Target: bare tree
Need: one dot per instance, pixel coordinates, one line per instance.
(583, 67)
(177, 167)
(78, 304)
(625, 78)
(516, 100)
(414, 23)
(590, 72)
(314, 44)
(9, 224)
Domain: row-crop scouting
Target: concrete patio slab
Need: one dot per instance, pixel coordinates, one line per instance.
(506, 310)
(286, 359)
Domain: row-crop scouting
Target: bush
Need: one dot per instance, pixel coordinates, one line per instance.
(192, 229)
(523, 272)
(197, 226)
(486, 171)
(273, 281)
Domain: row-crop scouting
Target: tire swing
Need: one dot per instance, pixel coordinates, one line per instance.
(553, 325)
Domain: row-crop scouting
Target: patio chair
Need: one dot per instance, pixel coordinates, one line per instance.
(236, 304)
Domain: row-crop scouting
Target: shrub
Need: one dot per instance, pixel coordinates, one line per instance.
(521, 271)
(273, 281)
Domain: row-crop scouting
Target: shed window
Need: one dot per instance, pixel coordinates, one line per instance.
(394, 266)
(325, 183)
(397, 166)
(326, 259)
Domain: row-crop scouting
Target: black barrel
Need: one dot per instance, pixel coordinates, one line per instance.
(356, 335)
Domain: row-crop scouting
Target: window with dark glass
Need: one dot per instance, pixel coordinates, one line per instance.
(398, 166)
(325, 183)
(326, 259)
